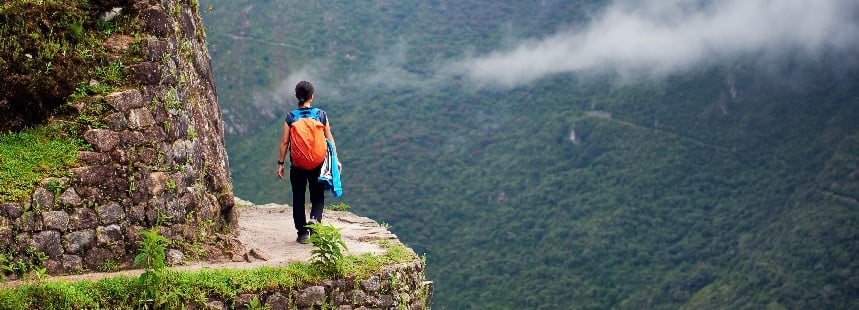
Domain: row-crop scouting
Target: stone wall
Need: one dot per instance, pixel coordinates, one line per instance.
(395, 287)
(158, 159)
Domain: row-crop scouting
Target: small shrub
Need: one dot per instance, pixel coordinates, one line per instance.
(327, 249)
(152, 248)
(152, 259)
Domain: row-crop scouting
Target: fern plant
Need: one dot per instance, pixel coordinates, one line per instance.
(327, 251)
(152, 259)
(152, 251)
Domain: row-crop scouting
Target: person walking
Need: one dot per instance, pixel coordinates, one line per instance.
(304, 133)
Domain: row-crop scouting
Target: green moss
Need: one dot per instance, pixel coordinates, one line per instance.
(52, 56)
(53, 52)
(31, 155)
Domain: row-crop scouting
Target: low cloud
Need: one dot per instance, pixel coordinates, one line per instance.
(283, 96)
(669, 36)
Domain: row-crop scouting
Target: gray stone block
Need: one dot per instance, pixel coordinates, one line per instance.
(78, 241)
(56, 220)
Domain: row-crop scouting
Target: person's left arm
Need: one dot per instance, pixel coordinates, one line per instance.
(329, 136)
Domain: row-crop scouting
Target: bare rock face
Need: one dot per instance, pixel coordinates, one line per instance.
(48, 242)
(126, 100)
(69, 199)
(78, 240)
(156, 21)
(174, 257)
(56, 220)
(158, 163)
(102, 139)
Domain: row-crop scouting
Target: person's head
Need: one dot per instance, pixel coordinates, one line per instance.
(303, 91)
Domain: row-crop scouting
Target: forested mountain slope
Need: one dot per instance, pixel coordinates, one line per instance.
(728, 184)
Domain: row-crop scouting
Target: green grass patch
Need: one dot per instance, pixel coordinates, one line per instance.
(340, 206)
(365, 264)
(31, 155)
(181, 288)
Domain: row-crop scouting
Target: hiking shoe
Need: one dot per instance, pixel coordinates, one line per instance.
(303, 238)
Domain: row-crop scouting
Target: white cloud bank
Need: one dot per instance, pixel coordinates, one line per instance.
(666, 36)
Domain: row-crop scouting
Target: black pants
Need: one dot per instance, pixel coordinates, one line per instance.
(299, 179)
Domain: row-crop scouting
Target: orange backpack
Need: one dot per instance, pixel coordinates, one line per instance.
(307, 146)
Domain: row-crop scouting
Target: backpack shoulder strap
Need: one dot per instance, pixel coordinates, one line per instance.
(314, 113)
(297, 114)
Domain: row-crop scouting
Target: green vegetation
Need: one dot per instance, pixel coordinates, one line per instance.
(681, 194)
(53, 58)
(109, 266)
(46, 57)
(152, 259)
(327, 250)
(41, 66)
(184, 287)
(254, 304)
(31, 155)
(678, 193)
(339, 206)
(29, 266)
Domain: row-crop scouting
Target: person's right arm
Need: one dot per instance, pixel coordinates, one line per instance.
(284, 145)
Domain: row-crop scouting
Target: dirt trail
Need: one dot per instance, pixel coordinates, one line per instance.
(267, 230)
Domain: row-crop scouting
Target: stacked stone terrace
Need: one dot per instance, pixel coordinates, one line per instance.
(158, 159)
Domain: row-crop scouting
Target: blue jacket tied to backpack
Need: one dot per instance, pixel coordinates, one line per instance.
(330, 173)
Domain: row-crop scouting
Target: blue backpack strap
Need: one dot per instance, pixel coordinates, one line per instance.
(315, 113)
(297, 114)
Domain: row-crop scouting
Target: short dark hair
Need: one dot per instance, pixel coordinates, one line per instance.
(303, 91)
